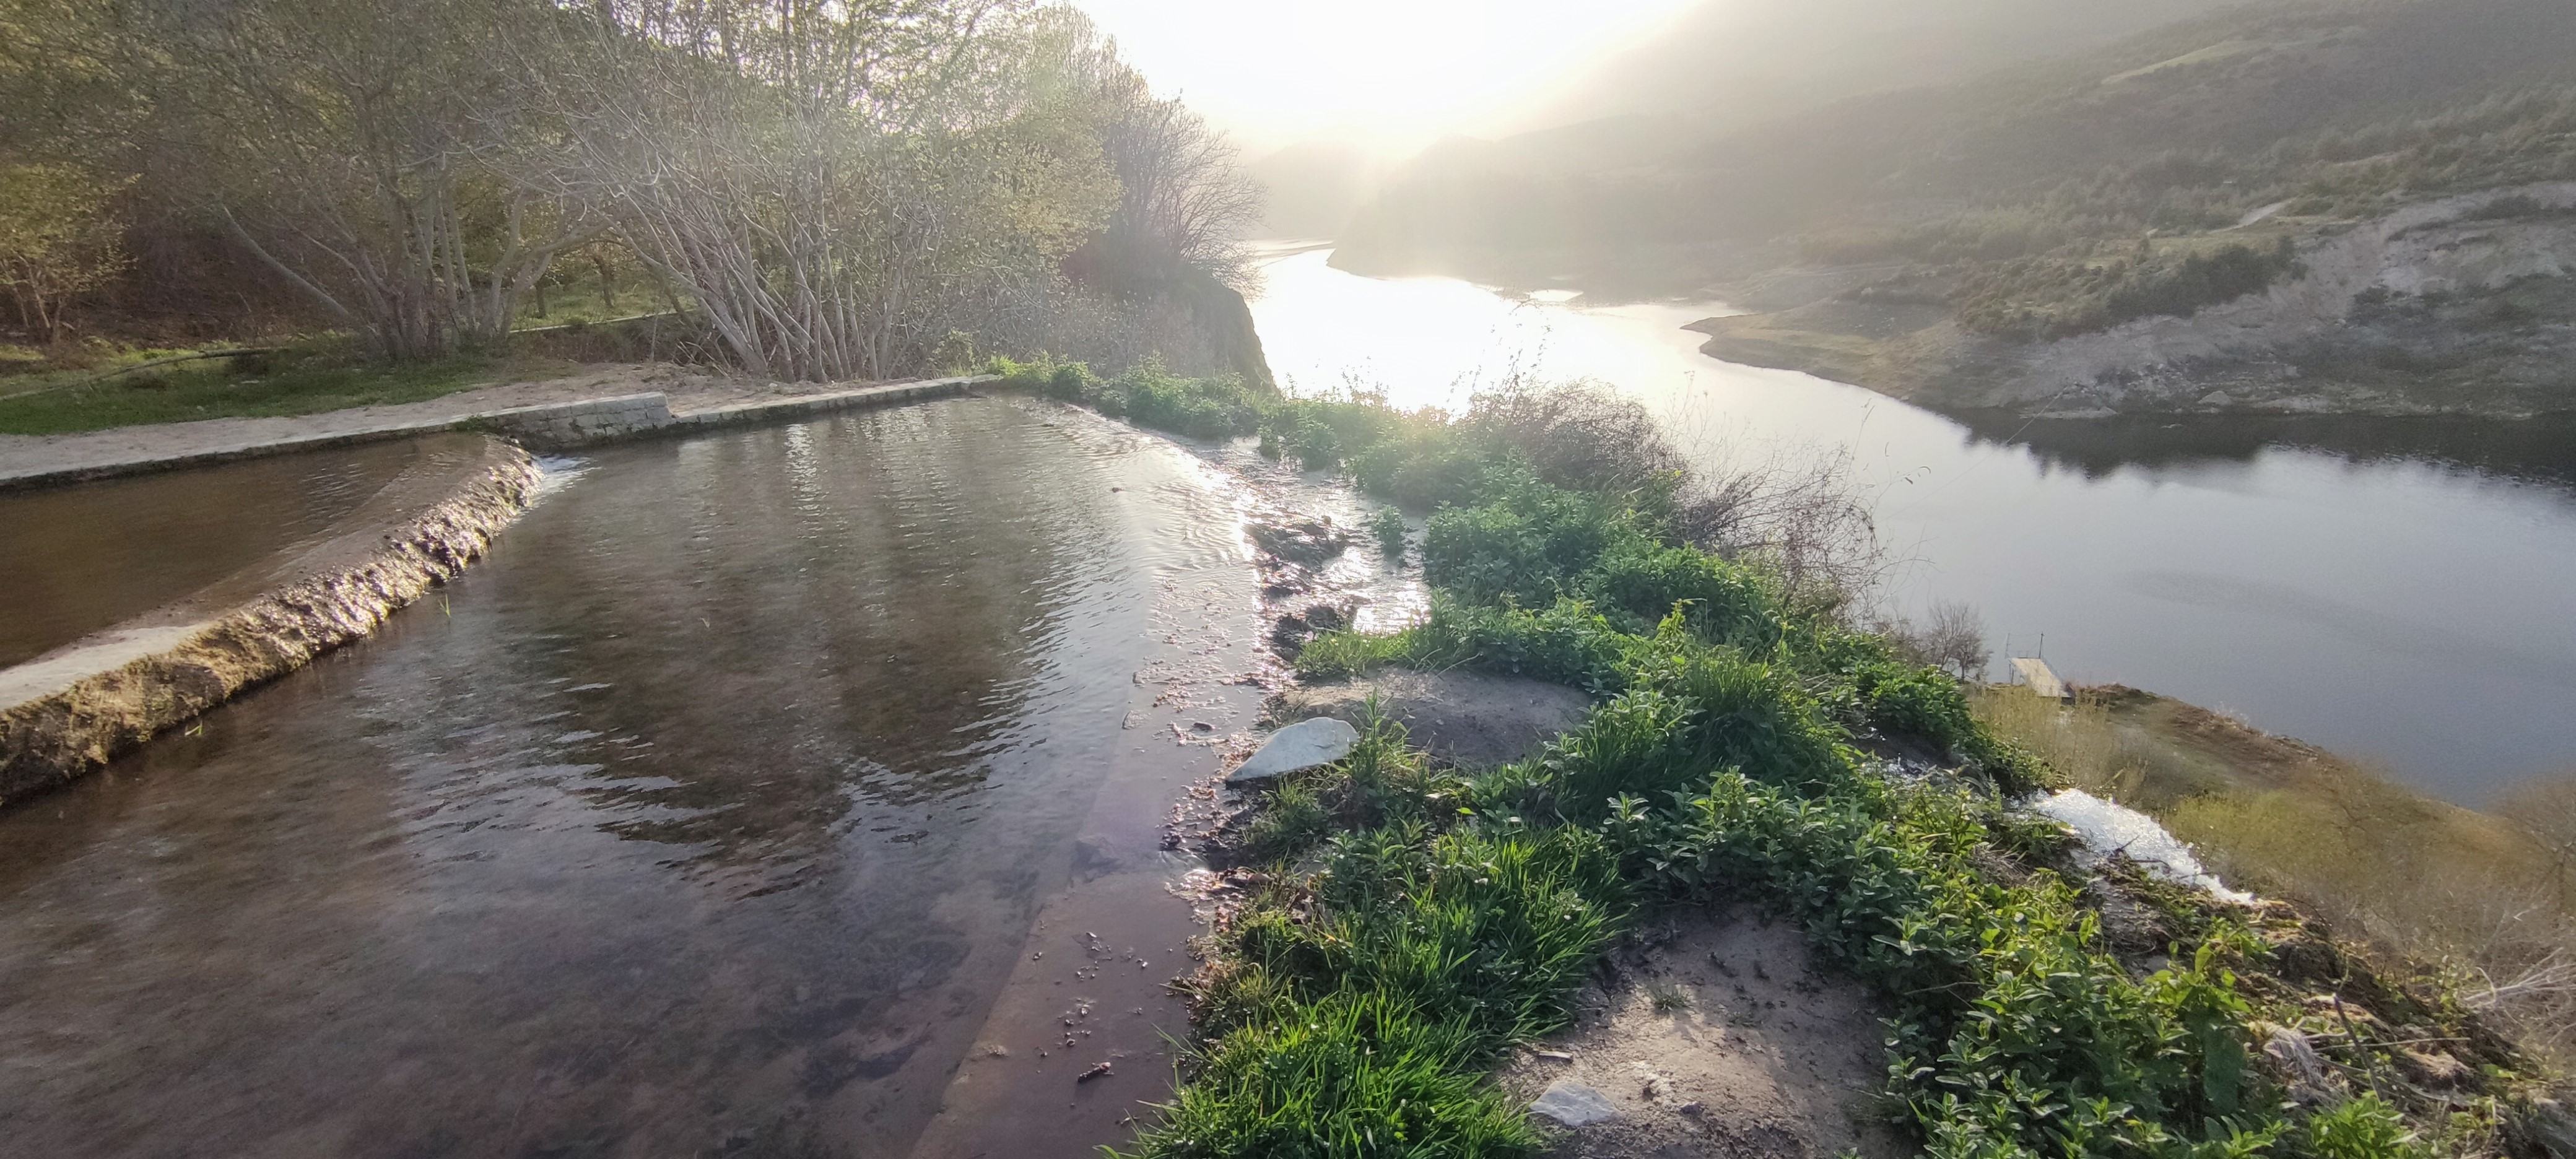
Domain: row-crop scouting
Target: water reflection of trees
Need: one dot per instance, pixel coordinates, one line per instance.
(811, 631)
(2540, 450)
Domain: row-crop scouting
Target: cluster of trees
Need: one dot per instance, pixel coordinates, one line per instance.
(835, 189)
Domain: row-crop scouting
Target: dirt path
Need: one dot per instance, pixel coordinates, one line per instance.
(689, 389)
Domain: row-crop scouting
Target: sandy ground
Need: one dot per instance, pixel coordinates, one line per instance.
(689, 389)
(1467, 718)
(1720, 1039)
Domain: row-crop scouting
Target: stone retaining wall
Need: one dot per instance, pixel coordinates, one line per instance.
(81, 719)
(65, 715)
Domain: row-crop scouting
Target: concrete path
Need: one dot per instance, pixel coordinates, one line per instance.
(615, 402)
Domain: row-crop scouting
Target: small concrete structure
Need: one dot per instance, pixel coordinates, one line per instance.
(573, 424)
(72, 710)
(1304, 745)
(2043, 680)
(1574, 1104)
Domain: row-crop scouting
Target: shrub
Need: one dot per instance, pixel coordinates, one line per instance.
(1359, 1073)
(1387, 525)
(1148, 395)
(1925, 702)
(1374, 1021)
(1725, 601)
(1526, 544)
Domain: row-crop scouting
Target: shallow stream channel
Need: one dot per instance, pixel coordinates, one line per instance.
(793, 791)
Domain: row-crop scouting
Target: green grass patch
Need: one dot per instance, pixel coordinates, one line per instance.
(255, 386)
(1419, 921)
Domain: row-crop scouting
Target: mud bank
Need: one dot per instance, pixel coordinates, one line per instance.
(71, 711)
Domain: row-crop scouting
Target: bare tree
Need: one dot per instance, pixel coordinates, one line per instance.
(58, 240)
(364, 150)
(832, 183)
(1955, 638)
(1952, 639)
(1184, 201)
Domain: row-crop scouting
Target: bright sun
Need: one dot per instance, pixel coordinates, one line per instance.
(1392, 73)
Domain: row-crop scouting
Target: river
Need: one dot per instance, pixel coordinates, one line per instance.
(792, 791)
(2397, 590)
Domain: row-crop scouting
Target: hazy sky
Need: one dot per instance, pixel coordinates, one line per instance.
(1394, 72)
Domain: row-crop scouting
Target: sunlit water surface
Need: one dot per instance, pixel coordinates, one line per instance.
(2400, 591)
(74, 560)
(713, 813)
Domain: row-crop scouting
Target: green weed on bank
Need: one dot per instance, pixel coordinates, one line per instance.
(1418, 922)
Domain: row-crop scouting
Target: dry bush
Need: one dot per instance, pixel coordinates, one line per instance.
(2086, 746)
(1798, 511)
(1798, 508)
(1953, 639)
(1581, 433)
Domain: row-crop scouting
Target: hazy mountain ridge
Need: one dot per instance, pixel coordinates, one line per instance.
(2047, 201)
(1737, 61)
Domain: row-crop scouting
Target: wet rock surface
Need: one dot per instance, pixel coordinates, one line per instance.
(1309, 543)
(1289, 634)
(1298, 747)
(1467, 718)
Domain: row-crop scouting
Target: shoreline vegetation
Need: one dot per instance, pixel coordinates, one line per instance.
(2486, 895)
(1403, 924)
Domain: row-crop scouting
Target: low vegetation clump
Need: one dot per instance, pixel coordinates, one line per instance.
(2069, 292)
(1150, 395)
(1576, 465)
(1410, 923)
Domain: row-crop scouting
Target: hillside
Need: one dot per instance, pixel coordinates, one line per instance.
(1312, 188)
(1739, 61)
(1936, 238)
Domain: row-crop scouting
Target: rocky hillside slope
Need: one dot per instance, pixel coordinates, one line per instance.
(2300, 205)
(2461, 305)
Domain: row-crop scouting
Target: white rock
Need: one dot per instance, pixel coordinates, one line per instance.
(1303, 745)
(1574, 1104)
(2107, 827)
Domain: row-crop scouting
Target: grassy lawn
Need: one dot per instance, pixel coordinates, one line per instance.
(257, 386)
